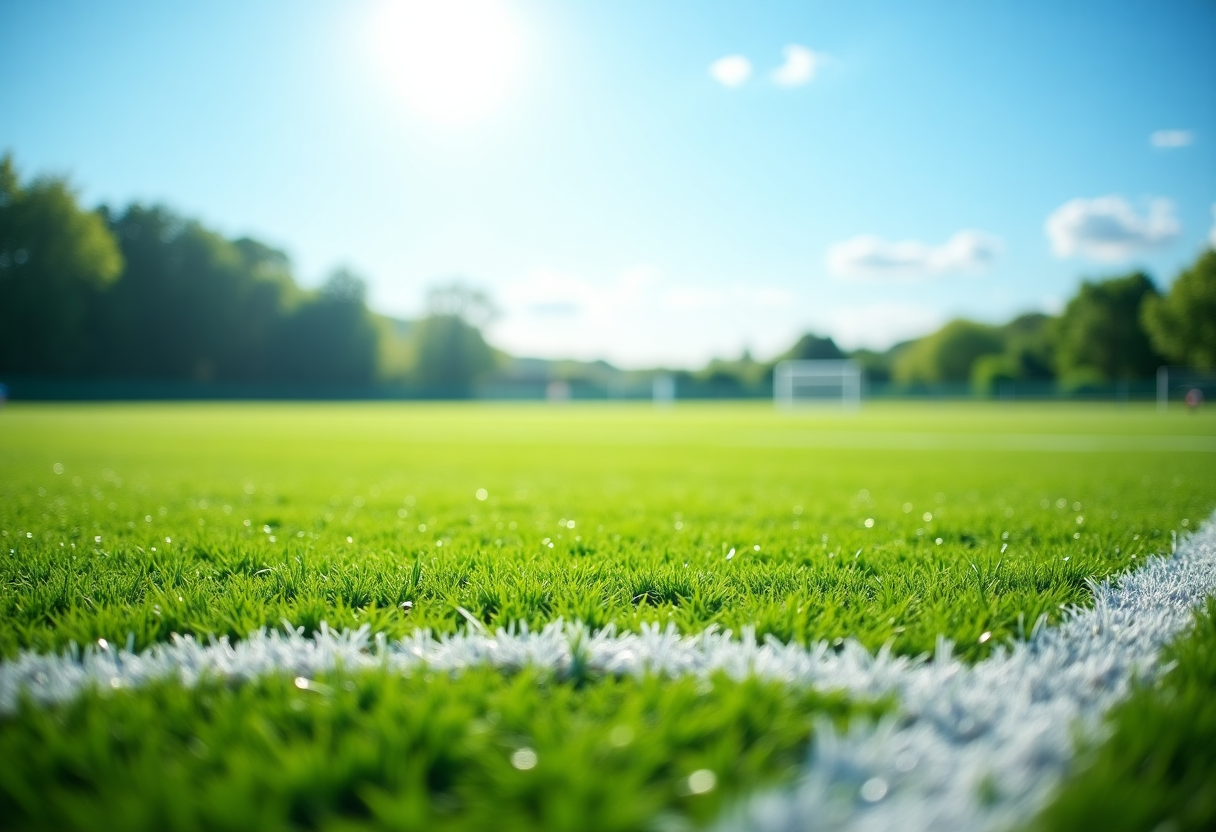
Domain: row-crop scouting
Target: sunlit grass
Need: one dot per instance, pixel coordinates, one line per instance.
(222, 519)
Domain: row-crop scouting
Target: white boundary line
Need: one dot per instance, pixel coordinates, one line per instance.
(983, 747)
(972, 747)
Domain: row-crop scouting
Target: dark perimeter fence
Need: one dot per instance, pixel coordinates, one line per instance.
(1173, 384)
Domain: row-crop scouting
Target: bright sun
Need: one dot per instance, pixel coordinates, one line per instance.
(454, 60)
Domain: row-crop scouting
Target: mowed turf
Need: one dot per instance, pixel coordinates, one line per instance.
(894, 525)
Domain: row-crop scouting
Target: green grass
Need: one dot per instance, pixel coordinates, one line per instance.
(220, 519)
(423, 752)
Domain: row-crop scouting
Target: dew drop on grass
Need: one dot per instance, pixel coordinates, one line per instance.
(869, 522)
(701, 781)
(482, 494)
(57, 467)
(524, 759)
(731, 553)
(620, 736)
(874, 790)
(984, 636)
(927, 516)
(938, 541)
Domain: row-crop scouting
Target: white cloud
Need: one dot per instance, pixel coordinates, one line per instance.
(799, 67)
(1172, 138)
(731, 71)
(869, 256)
(1107, 228)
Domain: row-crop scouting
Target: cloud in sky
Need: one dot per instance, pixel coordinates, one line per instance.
(799, 67)
(731, 71)
(867, 256)
(1167, 139)
(1107, 228)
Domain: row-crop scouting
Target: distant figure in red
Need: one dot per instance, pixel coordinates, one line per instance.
(1194, 398)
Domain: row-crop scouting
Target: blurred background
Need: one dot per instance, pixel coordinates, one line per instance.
(489, 199)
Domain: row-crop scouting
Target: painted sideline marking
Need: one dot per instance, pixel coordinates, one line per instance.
(983, 747)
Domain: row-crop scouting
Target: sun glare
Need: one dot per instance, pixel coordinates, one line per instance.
(453, 60)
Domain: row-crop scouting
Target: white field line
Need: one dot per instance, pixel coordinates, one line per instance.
(973, 747)
(983, 747)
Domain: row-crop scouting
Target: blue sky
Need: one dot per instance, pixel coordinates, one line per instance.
(619, 189)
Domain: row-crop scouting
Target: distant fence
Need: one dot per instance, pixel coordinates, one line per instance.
(26, 389)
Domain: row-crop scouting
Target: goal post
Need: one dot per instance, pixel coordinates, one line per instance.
(1176, 383)
(817, 382)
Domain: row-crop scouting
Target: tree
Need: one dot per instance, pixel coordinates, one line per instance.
(450, 349)
(948, 354)
(54, 258)
(191, 304)
(811, 346)
(1182, 325)
(1099, 335)
(330, 337)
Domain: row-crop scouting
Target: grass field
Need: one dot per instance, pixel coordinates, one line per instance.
(893, 526)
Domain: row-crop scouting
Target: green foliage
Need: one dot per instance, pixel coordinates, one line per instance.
(1158, 768)
(1027, 354)
(1099, 335)
(1182, 325)
(55, 258)
(191, 304)
(451, 353)
(330, 337)
(811, 346)
(948, 354)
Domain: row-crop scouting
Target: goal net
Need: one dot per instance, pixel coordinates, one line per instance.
(817, 382)
(1182, 385)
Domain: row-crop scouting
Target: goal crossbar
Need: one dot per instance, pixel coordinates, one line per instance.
(806, 381)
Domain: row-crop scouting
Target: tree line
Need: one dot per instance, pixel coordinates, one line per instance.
(142, 293)
(1117, 329)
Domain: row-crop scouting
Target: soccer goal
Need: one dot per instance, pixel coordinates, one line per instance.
(817, 382)
(1184, 385)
